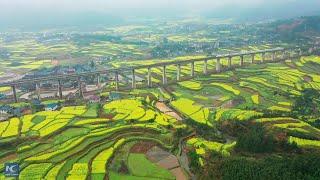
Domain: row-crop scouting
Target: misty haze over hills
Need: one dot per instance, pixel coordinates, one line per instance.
(36, 14)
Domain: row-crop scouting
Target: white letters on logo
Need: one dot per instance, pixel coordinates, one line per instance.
(11, 169)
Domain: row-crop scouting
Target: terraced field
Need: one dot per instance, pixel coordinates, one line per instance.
(267, 87)
(100, 141)
(68, 144)
(250, 93)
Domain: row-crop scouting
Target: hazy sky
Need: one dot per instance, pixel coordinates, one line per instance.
(23, 11)
(102, 5)
(116, 5)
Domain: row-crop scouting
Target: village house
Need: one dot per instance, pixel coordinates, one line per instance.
(5, 109)
(51, 107)
(19, 111)
(93, 99)
(114, 96)
(2, 96)
(70, 99)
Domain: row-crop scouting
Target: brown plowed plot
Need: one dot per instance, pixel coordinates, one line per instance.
(178, 173)
(291, 65)
(169, 162)
(156, 154)
(249, 90)
(142, 147)
(216, 97)
(175, 115)
(108, 116)
(163, 107)
(8, 158)
(284, 121)
(216, 103)
(307, 78)
(231, 103)
(166, 110)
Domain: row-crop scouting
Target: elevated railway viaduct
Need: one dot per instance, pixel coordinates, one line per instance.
(277, 55)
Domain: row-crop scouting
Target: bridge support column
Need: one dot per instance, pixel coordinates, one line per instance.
(116, 79)
(300, 52)
(263, 57)
(178, 72)
(59, 89)
(98, 81)
(283, 55)
(290, 54)
(241, 60)
(192, 69)
(205, 67)
(218, 65)
(14, 92)
(229, 62)
(133, 85)
(38, 91)
(80, 87)
(164, 75)
(252, 58)
(274, 56)
(149, 77)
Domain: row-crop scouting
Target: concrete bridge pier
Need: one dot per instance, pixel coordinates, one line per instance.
(98, 81)
(241, 60)
(310, 50)
(14, 92)
(133, 85)
(59, 89)
(273, 56)
(263, 55)
(290, 53)
(218, 65)
(38, 91)
(205, 67)
(164, 75)
(80, 87)
(149, 77)
(192, 69)
(252, 58)
(178, 72)
(116, 78)
(300, 52)
(283, 55)
(229, 62)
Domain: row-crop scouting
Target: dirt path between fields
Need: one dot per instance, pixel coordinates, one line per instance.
(182, 155)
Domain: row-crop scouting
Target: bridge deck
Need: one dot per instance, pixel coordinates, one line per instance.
(114, 70)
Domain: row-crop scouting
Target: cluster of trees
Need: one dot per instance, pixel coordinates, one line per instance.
(255, 140)
(252, 138)
(205, 131)
(194, 163)
(302, 166)
(85, 40)
(308, 104)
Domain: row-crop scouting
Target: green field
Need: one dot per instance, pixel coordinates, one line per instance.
(140, 166)
(211, 123)
(71, 143)
(77, 149)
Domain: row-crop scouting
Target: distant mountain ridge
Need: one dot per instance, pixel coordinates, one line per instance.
(300, 25)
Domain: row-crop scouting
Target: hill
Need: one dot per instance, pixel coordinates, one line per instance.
(242, 121)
